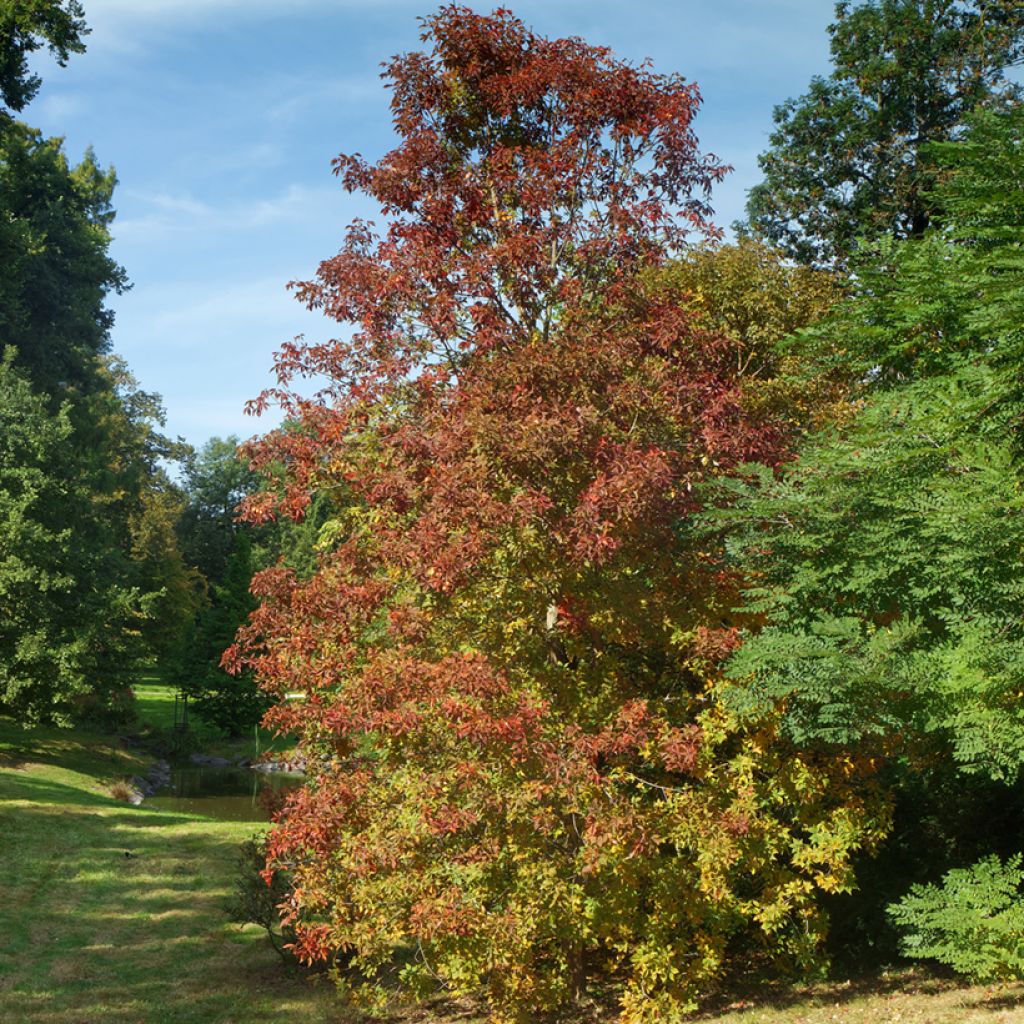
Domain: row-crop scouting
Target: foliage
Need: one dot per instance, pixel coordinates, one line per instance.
(215, 481)
(230, 702)
(56, 267)
(749, 293)
(888, 559)
(850, 158)
(256, 898)
(507, 653)
(87, 509)
(25, 27)
(941, 819)
(973, 921)
(884, 566)
(65, 613)
(226, 554)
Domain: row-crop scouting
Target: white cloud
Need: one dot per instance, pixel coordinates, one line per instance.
(160, 215)
(297, 96)
(121, 26)
(59, 106)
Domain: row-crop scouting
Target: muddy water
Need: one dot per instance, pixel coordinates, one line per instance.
(228, 794)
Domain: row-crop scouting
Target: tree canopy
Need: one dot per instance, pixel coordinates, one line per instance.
(850, 158)
(25, 27)
(87, 512)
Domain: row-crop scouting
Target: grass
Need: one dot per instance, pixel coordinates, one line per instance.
(89, 935)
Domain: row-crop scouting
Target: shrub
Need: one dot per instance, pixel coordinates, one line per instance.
(255, 900)
(973, 921)
(122, 790)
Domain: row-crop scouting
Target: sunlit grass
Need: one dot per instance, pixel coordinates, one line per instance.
(155, 710)
(116, 914)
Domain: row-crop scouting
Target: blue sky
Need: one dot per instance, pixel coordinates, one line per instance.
(222, 117)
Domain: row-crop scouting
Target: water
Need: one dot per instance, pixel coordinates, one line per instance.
(228, 794)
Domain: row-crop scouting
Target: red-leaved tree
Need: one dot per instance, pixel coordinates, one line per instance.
(519, 775)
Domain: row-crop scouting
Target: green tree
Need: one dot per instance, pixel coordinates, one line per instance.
(55, 266)
(115, 586)
(25, 27)
(887, 563)
(231, 702)
(67, 617)
(849, 159)
(215, 480)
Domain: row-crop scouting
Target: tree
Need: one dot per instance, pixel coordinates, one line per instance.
(225, 554)
(25, 27)
(113, 584)
(56, 265)
(749, 293)
(886, 562)
(850, 158)
(66, 616)
(519, 772)
(230, 702)
(215, 480)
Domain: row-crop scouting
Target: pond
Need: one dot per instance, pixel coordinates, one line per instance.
(228, 794)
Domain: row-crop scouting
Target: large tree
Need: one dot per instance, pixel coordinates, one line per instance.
(886, 562)
(849, 159)
(67, 612)
(55, 265)
(518, 771)
(113, 586)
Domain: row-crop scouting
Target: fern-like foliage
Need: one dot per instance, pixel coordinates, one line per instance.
(886, 564)
(973, 921)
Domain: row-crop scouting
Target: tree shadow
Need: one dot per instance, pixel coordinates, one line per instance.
(117, 915)
(758, 993)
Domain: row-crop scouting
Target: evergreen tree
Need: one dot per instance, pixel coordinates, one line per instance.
(215, 480)
(67, 617)
(111, 576)
(231, 702)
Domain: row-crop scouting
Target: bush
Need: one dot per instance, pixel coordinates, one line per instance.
(255, 901)
(974, 921)
(123, 791)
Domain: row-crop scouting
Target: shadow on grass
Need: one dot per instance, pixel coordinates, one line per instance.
(73, 750)
(25, 787)
(756, 993)
(118, 916)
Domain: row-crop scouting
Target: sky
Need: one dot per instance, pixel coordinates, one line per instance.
(221, 118)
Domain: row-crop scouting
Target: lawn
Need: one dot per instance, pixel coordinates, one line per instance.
(114, 915)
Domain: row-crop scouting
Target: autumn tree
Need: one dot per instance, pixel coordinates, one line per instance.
(520, 774)
(850, 158)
